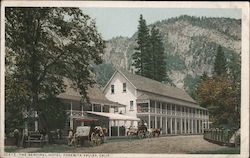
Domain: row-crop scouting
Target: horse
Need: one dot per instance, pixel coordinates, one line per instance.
(153, 132)
(132, 131)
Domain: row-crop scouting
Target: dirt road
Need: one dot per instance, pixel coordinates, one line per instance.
(174, 144)
(160, 145)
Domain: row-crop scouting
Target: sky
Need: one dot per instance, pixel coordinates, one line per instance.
(112, 22)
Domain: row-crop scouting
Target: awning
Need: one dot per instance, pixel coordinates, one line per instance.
(115, 116)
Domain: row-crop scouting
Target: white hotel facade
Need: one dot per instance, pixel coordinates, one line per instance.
(159, 105)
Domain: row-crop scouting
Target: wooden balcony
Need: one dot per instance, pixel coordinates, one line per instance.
(146, 110)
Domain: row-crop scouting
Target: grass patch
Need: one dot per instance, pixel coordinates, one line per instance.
(10, 149)
(229, 150)
(54, 149)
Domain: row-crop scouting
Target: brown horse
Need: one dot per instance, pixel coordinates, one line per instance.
(153, 132)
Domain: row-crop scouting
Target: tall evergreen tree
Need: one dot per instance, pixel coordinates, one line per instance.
(158, 64)
(141, 57)
(220, 64)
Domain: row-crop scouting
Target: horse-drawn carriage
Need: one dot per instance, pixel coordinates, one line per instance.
(141, 131)
(95, 135)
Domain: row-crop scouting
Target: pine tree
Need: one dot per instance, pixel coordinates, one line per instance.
(220, 64)
(158, 64)
(142, 56)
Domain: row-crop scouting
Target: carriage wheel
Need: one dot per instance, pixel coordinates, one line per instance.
(140, 134)
(130, 135)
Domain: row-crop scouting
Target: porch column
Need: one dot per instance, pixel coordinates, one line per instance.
(175, 125)
(71, 107)
(188, 126)
(71, 123)
(181, 125)
(185, 125)
(180, 110)
(171, 109)
(125, 122)
(175, 109)
(118, 126)
(161, 122)
(149, 112)
(155, 107)
(92, 106)
(71, 116)
(192, 126)
(202, 126)
(101, 107)
(199, 121)
(195, 126)
(206, 124)
(171, 124)
(161, 107)
(166, 124)
(110, 128)
(82, 123)
(26, 128)
(149, 121)
(36, 121)
(155, 121)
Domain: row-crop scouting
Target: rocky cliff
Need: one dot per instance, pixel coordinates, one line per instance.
(190, 46)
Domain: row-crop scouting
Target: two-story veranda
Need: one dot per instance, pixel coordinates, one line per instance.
(173, 117)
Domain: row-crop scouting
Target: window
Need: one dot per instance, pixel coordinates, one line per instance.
(116, 109)
(131, 105)
(112, 89)
(124, 87)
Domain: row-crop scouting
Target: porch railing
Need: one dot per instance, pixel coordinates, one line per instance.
(170, 112)
(222, 136)
(74, 113)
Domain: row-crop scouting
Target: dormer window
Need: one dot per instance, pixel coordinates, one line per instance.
(124, 87)
(112, 89)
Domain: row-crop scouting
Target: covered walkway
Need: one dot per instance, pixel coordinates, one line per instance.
(117, 121)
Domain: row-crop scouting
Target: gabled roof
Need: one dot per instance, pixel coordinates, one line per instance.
(94, 93)
(152, 86)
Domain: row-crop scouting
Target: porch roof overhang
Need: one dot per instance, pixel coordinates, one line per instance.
(145, 98)
(91, 100)
(114, 116)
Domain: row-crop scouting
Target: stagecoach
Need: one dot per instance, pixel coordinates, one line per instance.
(94, 135)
